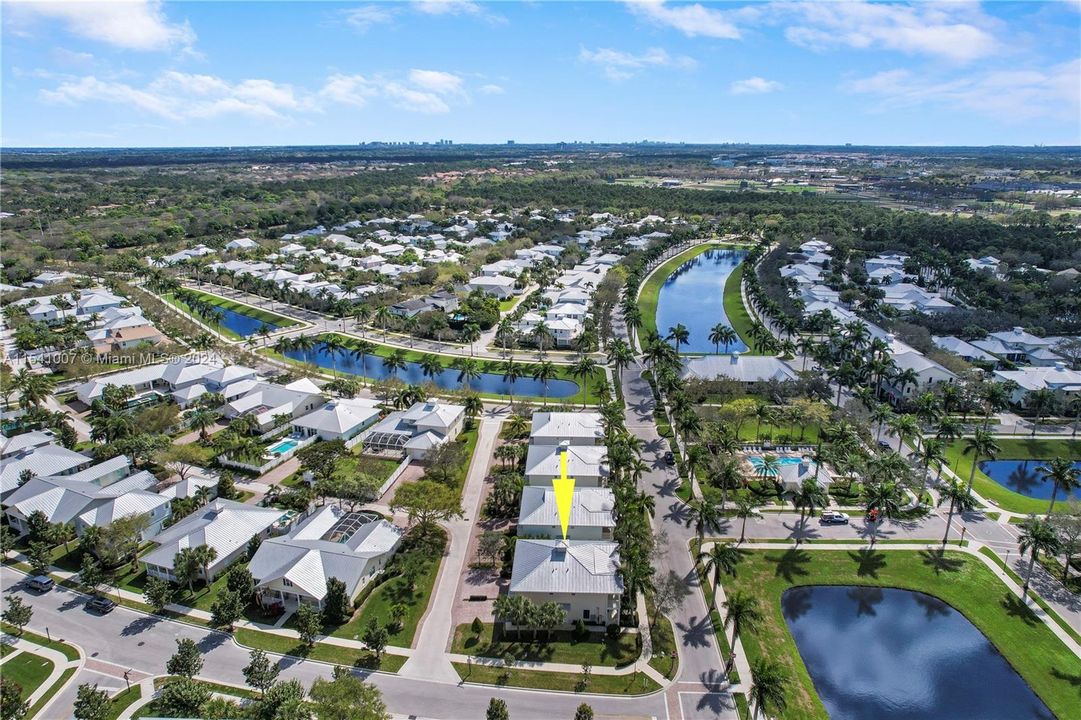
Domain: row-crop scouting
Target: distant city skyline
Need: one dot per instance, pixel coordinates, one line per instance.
(153, 74)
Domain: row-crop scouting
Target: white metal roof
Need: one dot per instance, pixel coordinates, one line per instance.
(560, 566)
(554, 427)
(223, 525)
(582, 460)
(590, 507)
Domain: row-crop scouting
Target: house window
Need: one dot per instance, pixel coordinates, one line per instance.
(585, 614)
(287, 582)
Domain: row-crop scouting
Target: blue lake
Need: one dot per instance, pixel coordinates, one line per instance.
(242, 325)
(694, 296)
(447, 379)
(1022, 476)
(888, 654)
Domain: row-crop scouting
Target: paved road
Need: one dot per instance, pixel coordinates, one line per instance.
(127, 639)
(700, 688)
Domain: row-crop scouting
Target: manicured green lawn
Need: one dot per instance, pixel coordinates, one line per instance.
(56, 687)
(586, 389)
(322, 651)
(665, 660)
(597, 649)
(959, 579)
(121, 701)
(738, 317)
(1035, 449)
(376, 467)
(69, 651)
(28, 670)
(561, 681)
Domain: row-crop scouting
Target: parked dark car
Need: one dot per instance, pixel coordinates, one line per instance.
(100, 605)
(885, 445)
(669, 458)
(40, 583)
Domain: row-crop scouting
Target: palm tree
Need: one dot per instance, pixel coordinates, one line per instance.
(904, 426)
(517, 425)
(995, 397)
(382, 316)
(512, 372)
(741, 613)
(768, 687)
(934, 451)
(880, 416)
(32, 389)
(1037, 535)
(332, 345)
(722, 334)
(746, 507)
(202, 418)
(620, 356)
(885, 497)
(468, 370)
(395, 361)
(1063, 476)
(679, 334)
(721, 558)
(361, 350)
(981, 444)
(960, 501)
(810, 496)
(470, 334)
(702, 514)
(473, 405)
(582, 369)
(1040, 402)
(632, 316)
(543, 372)
(205, 555)
(430, 365)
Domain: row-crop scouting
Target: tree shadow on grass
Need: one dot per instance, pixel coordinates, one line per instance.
(791, 564)
(938, 561)
(868, 562)
(1074, 680)
(1014, 607)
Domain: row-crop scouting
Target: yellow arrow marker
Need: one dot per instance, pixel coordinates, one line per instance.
(564, 487)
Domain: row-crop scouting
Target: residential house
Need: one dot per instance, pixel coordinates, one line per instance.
(339, 419)
(331, 543)
(581, 576)
(592, 514)
(268, 402)
(40, 460)
(1065, 383)
(500, 286)
(416, 431)
(574, 428)
(745, 369)
(587, 464)
(224, 525)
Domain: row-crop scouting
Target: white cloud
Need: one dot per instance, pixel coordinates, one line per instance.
(447, 7)
(953, 31)
(692, 20)
(437, 81)
(363, 17)
(181, 96)
(128, 24)
(619, 65)
(491, 89)
(1006, 95)
(754, 86)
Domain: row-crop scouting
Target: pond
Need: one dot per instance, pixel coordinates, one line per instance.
(1022, 476)
(242, 325)
(887, 654)
(374, 368)
(694, 296)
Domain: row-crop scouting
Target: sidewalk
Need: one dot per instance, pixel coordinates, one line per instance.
(57, 658)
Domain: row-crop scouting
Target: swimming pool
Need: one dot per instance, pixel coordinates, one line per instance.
(282, 446)
(757, 460)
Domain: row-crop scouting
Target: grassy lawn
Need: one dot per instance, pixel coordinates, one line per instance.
(596, 649)
(507, 305)
(586, 393)
(988, 552)
(393, 591)
(68, 651)
(1011, 449)
(560, 681)
(958, 579)
(28, 670)
(322, 651)
(357, 464)
(122, 701)
(737, 313)
(664, 644)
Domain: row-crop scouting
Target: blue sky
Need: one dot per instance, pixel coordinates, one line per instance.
(144, 73)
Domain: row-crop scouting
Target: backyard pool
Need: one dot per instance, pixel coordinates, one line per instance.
(282, 446)
(447, 379)
(887, 654)
(1023, 476)
(694, 296)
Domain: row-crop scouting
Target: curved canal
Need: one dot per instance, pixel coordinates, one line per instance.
(693, 296)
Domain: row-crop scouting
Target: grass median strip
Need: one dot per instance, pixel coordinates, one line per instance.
(629, 684)
(321, 651)
(563, 647)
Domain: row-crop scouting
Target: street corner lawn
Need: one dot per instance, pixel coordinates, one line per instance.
(27, 670)
(959, 579)
(631, 683)
(563, 647)
(1035, 449)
